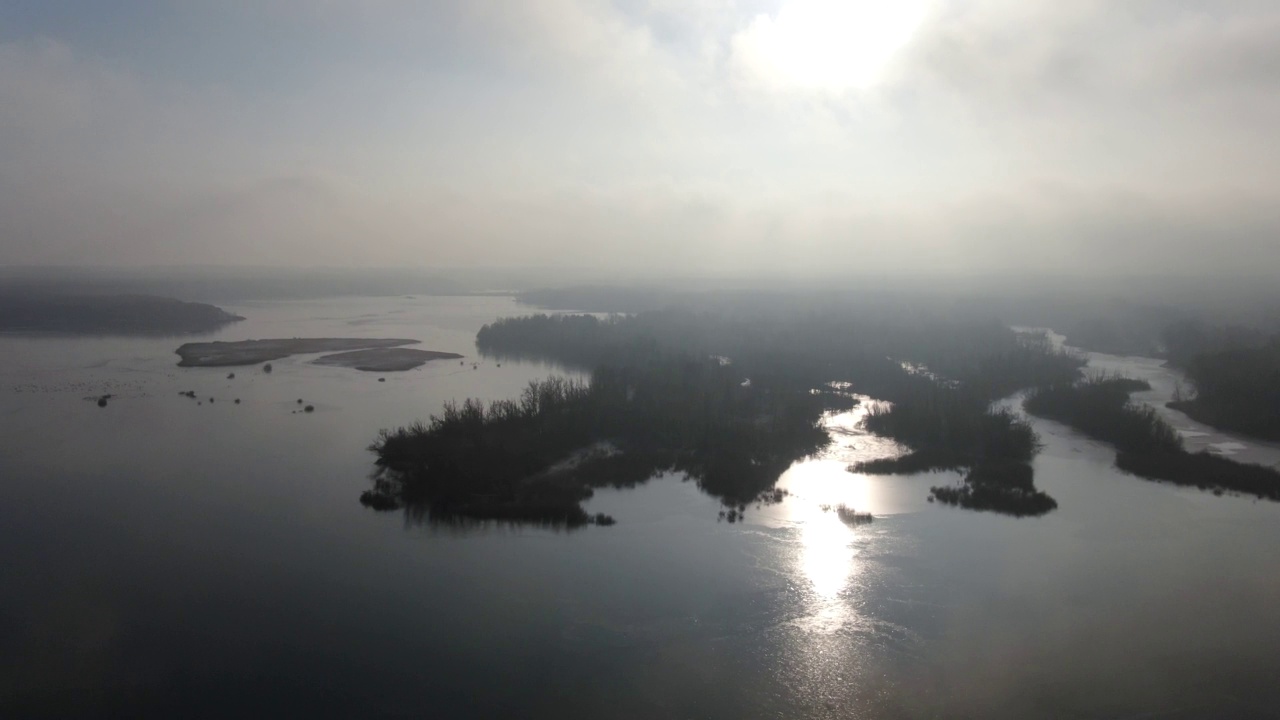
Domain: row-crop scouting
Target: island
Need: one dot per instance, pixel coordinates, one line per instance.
(393, 359)
(1146, 445)
(108, 314)
(252, 352)
(730, 401)
(1232, 372)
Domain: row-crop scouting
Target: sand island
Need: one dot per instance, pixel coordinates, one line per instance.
(252, 352)
(394, 359)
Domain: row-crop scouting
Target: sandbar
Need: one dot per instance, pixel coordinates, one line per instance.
(252, 352)
(384, 359)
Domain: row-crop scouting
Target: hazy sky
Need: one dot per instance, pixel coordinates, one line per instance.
(713, 135)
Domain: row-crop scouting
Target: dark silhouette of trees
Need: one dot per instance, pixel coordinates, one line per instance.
(500, 461)
(141, 315)
(1100, 408)
(730, 400)
(1237, 389)
(1186, 340)
(1001, 486)
(1148, 446)
(1235, 372)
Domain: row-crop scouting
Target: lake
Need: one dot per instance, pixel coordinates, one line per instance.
(168, 556)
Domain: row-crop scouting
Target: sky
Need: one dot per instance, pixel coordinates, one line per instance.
(710, 136)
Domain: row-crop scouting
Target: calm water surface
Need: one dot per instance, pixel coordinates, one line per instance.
(168, 558)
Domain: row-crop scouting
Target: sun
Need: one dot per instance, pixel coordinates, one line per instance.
(830, 44)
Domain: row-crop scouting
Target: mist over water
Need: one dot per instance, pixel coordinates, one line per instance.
(765, 359)
(211, 559)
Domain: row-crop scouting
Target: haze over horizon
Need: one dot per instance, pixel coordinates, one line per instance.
(926, 136)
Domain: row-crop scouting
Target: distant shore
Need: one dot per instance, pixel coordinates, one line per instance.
(109, 315)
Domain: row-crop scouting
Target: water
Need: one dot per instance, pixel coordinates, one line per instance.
(164, 558)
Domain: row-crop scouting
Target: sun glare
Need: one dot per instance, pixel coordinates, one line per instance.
(831, 44)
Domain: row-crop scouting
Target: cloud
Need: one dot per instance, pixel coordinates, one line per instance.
(648, 134)
(825, 45)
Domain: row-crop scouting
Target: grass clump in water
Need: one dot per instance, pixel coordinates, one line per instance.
(849, 516)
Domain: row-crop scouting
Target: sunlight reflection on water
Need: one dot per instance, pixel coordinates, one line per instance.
(826, 480)
(826, 555)
(827, 549)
